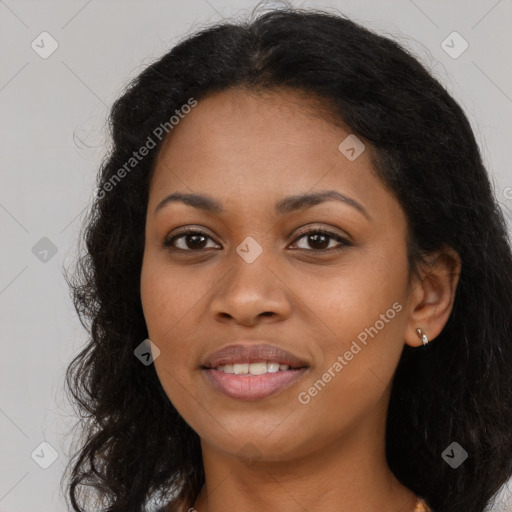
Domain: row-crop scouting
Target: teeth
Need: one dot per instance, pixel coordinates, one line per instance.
(259, 368)
(241, 369)
(272, 367)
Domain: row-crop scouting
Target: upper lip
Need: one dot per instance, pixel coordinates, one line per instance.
(253, 353)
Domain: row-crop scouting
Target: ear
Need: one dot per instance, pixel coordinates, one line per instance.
(432, 295)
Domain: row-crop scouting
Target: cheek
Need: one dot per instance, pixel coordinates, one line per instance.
(168, 299)
(167, 296)
(352, 297)
(361, 311)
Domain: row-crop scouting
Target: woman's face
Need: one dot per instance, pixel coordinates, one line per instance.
(254, 276)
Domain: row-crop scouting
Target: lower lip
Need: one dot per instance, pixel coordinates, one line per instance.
(252, 387)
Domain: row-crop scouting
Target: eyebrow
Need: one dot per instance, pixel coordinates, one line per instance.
(282, 207)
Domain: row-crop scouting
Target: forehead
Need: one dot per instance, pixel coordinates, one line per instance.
(237, 144)
(228, 124)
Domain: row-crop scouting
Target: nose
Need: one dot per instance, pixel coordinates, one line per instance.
(250, 293)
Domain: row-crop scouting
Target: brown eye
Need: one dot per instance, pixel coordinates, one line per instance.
(319, 240)
(190, 240)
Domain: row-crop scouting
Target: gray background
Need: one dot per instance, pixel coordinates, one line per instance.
(53, 136)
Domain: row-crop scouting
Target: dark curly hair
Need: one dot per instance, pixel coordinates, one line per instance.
(134, 445)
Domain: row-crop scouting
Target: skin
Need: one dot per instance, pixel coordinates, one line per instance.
(248, 151)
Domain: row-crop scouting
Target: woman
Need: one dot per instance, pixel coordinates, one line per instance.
(298, 284)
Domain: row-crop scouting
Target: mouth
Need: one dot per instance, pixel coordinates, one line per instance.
(252, 372)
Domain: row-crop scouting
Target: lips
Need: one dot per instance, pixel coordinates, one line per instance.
(254, 353)
(252, 388)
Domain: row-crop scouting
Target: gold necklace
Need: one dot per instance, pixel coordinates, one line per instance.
(421, 506)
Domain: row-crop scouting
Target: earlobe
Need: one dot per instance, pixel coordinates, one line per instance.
(433, 297)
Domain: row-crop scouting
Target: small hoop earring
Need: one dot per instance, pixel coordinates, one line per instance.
(422, 336)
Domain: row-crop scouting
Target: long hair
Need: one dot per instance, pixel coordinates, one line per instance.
(135, 446)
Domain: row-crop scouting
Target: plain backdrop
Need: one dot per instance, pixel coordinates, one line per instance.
(53, 136)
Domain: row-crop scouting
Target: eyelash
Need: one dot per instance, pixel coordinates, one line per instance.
(314, 231)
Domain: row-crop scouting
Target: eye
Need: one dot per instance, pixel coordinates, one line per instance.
(191, 237)
(320, 239)
(193, 240)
